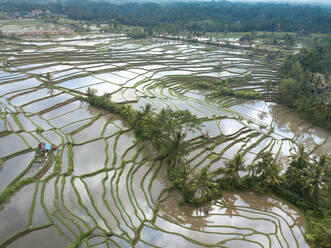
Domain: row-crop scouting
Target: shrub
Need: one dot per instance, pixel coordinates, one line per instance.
(137, 35)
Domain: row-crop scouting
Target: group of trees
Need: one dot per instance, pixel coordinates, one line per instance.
(305, 182)
(306, 84)
(167, 130)
(223, 16)
(303, 179)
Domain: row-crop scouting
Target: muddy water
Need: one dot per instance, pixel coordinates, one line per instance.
(112, 192)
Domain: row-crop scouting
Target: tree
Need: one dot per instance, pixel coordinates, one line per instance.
(290, 90)
(203, 187)
(48, 75)
(176, 149)
(170, 129)
(297, 171)
(146, 111)
(267, 86)
(268, 170)
(315, 177)
(300, 160)
(232, 168)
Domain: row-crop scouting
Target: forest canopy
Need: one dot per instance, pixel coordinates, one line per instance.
(306, 84)
(193, 16)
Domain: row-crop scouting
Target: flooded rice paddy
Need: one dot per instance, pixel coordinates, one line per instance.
(108, 191)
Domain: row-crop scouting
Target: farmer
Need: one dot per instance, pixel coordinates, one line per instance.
(47, 149)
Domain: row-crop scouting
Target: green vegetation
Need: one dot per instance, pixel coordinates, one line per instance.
(137, 35)
(194, 17)
(202, 187)
(167, 131)
(304, 183)
(222, 87)
(10, 190)
(306, 84)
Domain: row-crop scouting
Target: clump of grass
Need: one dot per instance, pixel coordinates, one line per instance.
(39, 130)
(247, 94)
(137, 35)
(223, 88)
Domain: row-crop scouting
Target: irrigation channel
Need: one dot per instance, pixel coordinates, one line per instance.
(104, 189)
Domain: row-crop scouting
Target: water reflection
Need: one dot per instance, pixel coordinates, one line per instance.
(229, 210)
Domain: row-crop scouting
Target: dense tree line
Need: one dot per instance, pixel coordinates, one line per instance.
(305, 183)
(306, 84)
(194, 16)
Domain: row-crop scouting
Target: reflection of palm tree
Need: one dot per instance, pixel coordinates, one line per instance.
(186, 213)
(201, 222)
(262, 115)
(229, 201)
(50, 91)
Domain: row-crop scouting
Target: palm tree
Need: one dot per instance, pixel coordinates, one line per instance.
(267, 170)
(177, 148)
(315, 178)
(267, 86)
(48, 76)
(142, 118)
(300, 160)
(232, 168)
(147, 109)
(271, 176)
(202, 186)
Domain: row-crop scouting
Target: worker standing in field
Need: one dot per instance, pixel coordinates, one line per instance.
(46, 148)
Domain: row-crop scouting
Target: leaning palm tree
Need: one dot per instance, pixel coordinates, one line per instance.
(232, 168)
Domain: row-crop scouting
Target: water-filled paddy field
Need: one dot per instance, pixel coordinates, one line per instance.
(104, 189)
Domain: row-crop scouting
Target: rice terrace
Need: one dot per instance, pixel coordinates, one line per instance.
(158, 143)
